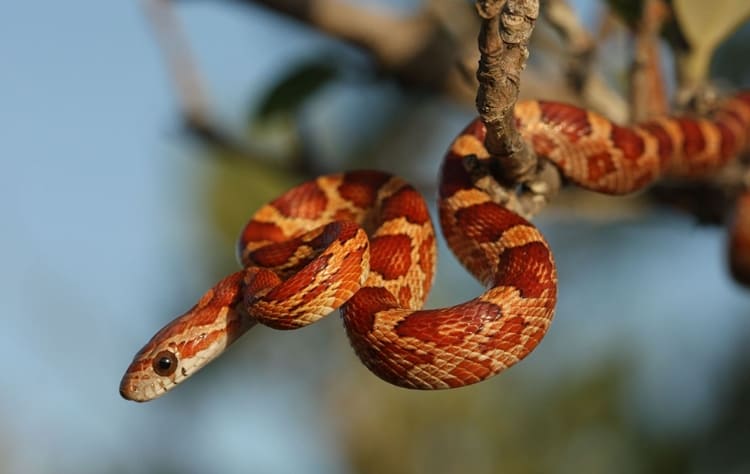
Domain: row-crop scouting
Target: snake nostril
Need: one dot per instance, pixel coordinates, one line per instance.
(127, 390)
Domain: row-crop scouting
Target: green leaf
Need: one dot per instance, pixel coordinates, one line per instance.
(295, 88)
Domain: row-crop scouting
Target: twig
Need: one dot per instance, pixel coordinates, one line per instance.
(583, 79)
(390, 38)
(648, 98)
(578, 42)
(503, 44)
(415, 49)
(191, 94)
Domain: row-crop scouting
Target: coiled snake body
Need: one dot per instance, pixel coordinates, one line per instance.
(363, 242)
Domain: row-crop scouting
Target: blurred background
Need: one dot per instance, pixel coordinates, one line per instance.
(120, 207)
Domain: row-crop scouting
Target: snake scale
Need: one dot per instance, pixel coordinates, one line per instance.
(363, 241)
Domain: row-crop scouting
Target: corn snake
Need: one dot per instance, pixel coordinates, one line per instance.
(363, 242)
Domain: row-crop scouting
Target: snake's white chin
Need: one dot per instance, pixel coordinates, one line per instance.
(133, 391)
(139, 387)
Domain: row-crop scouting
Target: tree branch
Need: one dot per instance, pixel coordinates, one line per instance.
(648, 98)
(191, 94)
(416, 49)
(580, 48)
(503, 44)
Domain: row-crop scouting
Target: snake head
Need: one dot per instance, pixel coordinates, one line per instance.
(188, 343)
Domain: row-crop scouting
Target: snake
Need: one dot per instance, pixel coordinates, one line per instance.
(363, 242)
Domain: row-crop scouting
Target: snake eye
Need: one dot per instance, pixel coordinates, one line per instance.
(165, 363)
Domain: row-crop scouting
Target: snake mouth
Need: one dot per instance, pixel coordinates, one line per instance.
(135, 388)
(124, 393)
(129, 390)
(127, 394)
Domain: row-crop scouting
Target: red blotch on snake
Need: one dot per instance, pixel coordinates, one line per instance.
(360, 187)
(306, 201)
(390, 255)
(486, 222)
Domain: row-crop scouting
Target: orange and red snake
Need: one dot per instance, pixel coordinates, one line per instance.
(363, 242)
